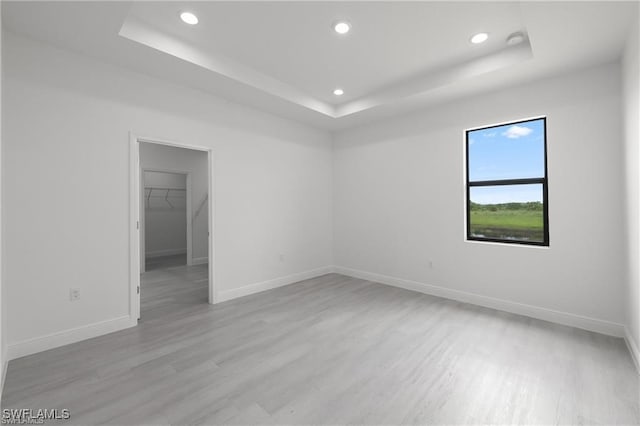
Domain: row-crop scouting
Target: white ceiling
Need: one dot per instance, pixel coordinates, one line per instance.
(284, 57)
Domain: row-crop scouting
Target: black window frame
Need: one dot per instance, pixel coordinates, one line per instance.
(525, 181)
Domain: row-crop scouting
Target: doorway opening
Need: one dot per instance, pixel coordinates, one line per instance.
(172, 216)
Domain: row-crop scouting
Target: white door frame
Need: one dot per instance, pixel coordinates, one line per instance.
(134, 216)
(188, 214)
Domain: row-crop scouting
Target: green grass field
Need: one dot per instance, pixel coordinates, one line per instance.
(519, 224)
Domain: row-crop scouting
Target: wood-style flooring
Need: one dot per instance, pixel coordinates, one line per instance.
(163, 262)
(330, 350)
(168, 288)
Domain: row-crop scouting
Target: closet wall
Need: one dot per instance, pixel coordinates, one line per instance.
(165, 214)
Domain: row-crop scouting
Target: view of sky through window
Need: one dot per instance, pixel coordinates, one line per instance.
(511, 151)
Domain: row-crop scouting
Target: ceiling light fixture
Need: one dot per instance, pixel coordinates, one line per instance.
(515, 38)
(189, 18)
(342, 27)
(338, 92)
(479, 38)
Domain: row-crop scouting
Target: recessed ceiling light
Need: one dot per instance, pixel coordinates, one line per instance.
(338, 92)
(189, 18)
(515, 38)
(342, 27)
(479, 38)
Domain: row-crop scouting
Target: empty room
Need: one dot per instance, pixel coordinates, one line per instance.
(327, 213)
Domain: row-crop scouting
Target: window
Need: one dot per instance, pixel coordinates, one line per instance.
(507, 183)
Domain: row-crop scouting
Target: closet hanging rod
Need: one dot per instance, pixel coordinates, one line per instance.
(164, 188)
(161, 188)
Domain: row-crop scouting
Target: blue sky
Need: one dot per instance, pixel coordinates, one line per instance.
(512, 151)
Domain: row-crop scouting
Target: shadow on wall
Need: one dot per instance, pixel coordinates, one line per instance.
(129, 88)
(460, 114)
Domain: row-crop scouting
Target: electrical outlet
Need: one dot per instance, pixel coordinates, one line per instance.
(281, 257)
(74, 294)
(430, 264)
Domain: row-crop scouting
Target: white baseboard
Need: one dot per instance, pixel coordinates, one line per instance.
(271, 284)
(558, 317)
(633, 348)
(166, 252)
(54, 340)
(200, 260)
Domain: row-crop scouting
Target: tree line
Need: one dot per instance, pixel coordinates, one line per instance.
(530, 206)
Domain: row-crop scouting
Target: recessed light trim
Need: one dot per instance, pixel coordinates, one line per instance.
(189, 18)
(338, 92)
(479, 38)
(342, 27)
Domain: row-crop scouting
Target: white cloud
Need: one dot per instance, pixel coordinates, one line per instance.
(515, 132)
(489, 135)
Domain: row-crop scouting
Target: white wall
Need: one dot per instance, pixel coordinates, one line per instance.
(155, 156)
(165, 214)
(631, 91)
(3, 346)
(399, 203)
(67, 121)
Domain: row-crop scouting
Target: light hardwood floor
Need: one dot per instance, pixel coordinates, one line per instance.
(164, 262)
(169, 288)
(332, 350)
